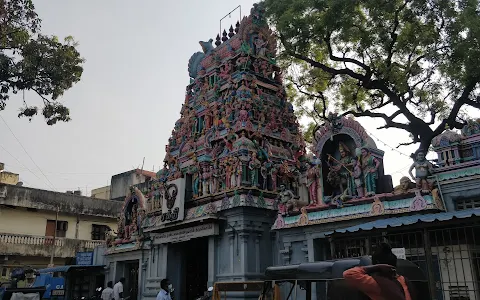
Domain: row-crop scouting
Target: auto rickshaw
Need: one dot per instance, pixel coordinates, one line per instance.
(324, 280)
(221, 290)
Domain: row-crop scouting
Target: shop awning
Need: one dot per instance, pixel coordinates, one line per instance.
(409, 220)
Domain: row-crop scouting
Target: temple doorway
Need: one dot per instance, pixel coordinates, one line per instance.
(131, 286)
(196, 267)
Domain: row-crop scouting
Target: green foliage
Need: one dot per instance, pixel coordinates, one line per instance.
(415, 60)
(30, 61)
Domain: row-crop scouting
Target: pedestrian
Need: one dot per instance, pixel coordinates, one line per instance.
(380, 281)
(118, 289)
(107, 293)
(166, 288)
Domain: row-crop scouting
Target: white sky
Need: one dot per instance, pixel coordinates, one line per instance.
(130, 95)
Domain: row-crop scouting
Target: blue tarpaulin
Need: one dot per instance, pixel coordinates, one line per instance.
(410, 220)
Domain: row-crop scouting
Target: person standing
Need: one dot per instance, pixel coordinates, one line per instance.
(107, 293)
(166, 288)
(118, 289)
(380, 281)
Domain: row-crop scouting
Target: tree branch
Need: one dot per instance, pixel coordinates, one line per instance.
(463, 99)
(388, 120)
(344, 59)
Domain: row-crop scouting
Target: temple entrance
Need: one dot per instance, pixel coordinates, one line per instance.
(196, 267)
(131, 284)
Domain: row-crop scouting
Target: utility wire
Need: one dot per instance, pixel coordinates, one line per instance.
(26, 152)
(20, 162)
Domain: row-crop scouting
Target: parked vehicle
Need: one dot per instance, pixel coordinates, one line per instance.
(71, 282)
(326, 279)
(25, 276)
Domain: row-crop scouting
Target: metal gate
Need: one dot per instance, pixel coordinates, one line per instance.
(450, 257)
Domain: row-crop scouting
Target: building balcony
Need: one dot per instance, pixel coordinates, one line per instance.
(41, 246)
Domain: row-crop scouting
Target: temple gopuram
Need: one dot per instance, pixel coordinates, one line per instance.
(239, 190)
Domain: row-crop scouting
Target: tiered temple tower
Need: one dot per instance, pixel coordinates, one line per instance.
(237, 132)
(236, 145)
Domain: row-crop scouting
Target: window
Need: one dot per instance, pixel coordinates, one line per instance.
(462, 204)
(4, 272)
(99, 232)
(61, 230)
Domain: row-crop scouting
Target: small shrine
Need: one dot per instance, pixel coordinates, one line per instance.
(346, 180)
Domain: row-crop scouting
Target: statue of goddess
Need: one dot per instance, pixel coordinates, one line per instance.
(233, 174)
(313, 184)
(358, 179)
(254, 166)
(260, 46)
(370, 171)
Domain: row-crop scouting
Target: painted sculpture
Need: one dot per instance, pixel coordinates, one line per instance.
(404, 187)
(129, 225)
(369, 166)
(423, 169)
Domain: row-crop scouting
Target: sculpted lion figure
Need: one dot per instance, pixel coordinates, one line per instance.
(405, 185)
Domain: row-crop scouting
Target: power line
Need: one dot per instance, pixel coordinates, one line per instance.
(61, 173)
(386, 145)
(20, 162)
(26, 152)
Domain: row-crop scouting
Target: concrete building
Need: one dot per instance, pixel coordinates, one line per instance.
(101, 193)
(29, 222)
(8, 177)
(121, 183)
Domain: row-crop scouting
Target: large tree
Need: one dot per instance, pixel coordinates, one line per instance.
(413, 63)
(31, 61)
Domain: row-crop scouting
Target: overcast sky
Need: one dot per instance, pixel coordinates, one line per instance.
(130, 95)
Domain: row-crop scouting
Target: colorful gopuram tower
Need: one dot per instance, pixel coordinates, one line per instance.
(235, 148)
(237, 133)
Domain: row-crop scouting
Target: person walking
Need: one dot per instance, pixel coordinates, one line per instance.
(166, 288)
(380, 281)
(107, 293)
(118, 289)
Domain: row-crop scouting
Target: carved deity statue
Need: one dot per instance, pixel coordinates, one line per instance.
(274, 176)
(260, 46)
(212, 182)
(341, 170)
(206, 181)
(313, 184)
(286, 198)
(228, 175)
(233, 172)
(264, 173)
(195, 171)
(254, 165)
(404, 186)
(423, 169)
(358, 178)
(370, 171)
(239, 173)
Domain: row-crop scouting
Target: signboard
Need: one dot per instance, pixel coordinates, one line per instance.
(185, 234)
(58, 293)
(173, 201)
(84, 258)
(399, 253)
